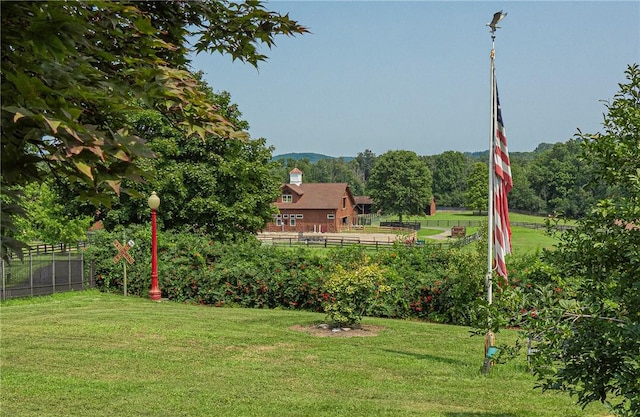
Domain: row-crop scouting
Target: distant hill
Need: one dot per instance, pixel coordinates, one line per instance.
(479, 155)
(312, 157)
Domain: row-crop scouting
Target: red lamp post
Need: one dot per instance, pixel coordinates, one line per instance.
(154, 292)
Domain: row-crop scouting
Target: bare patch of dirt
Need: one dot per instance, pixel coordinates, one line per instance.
(324, 330)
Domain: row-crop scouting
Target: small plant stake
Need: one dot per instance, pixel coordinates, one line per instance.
(123, 252)
(490, 351)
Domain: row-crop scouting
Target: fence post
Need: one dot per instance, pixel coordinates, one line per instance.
(3, 288)
(69, 264)
(81, 268)
(53, 272)
(31, 272)
(92, 274)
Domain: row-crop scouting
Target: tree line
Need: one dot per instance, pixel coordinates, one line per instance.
(552, 179)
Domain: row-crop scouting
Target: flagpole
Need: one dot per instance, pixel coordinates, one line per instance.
(489, 340)
(490, 214)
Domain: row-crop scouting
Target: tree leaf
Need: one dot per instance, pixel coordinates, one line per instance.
(84, 168)
(53, 124)
(115, 185)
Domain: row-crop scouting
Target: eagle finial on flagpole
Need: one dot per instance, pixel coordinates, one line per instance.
(497, 16)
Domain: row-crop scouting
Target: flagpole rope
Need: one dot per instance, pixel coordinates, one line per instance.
(490, 230)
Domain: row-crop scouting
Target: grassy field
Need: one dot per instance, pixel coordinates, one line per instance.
(94, 354)
(524, 239)
(530, 240)
(468, 215)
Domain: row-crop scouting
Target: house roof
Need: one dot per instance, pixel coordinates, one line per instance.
(363, 199)
(317, 196)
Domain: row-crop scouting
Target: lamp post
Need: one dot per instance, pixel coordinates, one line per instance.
(154, 292)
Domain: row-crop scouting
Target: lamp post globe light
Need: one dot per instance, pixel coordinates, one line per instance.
(154, 292)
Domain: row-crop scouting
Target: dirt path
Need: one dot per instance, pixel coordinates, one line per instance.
(369, 237)
(446, 234)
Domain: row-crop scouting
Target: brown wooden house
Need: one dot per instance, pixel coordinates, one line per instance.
(313, 207)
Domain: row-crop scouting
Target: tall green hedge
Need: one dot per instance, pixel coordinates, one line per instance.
(426, 282)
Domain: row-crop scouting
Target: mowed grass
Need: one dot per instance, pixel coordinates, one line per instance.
(95, 354)
(524, 239)
(460, 215)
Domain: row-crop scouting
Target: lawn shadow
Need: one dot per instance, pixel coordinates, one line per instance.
(476, 414)
(475, 215)
(422, 356)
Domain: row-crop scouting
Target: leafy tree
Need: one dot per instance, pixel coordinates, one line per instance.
(522, 196)
(223, 188)
(365, 162)
(561, 179)
(337, 170)
(477, 195)
(46, 218)
(591, 338)
(400, 183)
(450, 173)
(73, 71)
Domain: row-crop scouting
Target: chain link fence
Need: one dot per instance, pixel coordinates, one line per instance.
(45, 270)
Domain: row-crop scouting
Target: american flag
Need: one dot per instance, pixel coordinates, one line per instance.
(502, 184)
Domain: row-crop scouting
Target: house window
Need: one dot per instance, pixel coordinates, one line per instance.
(331, 216)
(278, 221)
(299, 216)
(344, 202)
(287, 198)
(285, 216)
(292, 221)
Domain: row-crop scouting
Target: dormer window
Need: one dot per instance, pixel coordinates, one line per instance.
(287, 198)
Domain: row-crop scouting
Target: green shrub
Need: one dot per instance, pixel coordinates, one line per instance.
(352, 291)
(425, 282)
(194, 269)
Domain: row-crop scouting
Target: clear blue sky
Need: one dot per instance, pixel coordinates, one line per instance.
(414, 75)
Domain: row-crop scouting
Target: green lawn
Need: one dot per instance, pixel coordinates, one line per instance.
(524, 239)
(468, 215)
(94, 354)
(422, 233)
(527, 240)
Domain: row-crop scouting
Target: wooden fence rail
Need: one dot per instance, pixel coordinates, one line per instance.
(329, 242)
(481, 223)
